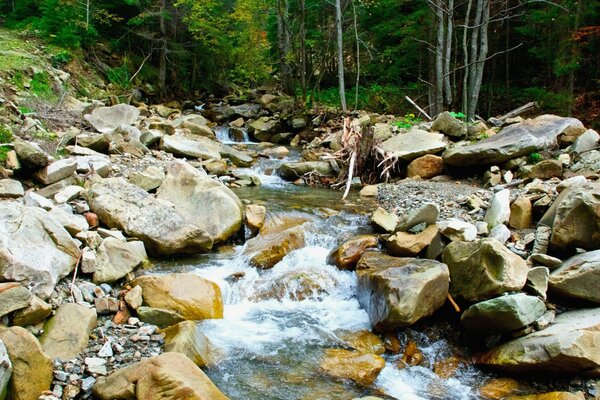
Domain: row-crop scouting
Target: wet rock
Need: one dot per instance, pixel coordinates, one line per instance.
(9, 188)
(158, 316)
(457, 230)
(163, 230)
(170, 375)
(502, 314)
(512, 142)
(67, 333)
(521, 213)
(578, 277)
(37, 311)
(204, 202)
(105, 119)
(264, 128)
(346, 255)
(237, 158)
(551, 396)
(294, 170)
(24, 228)
(426, 167)
(449, 125)
(276, 152)
(499, 388)
(255, 216)
(397, 292)
(185, 338)
(198, 148)
(359, 367)
(569, 346)
(363, 341)
(115, 259)
(32, 368)
(267, 249)
(413, 144)
(404, 244)
(57, 171)
(483, 269)
(149, 179)
(191, 296)
(5, 370)
(499, 209)
(13, 297)
(384, 221)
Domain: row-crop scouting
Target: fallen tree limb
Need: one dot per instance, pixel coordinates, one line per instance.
(518, 111)
(418, 108)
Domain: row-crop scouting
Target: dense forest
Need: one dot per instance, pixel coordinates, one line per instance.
(478, 57)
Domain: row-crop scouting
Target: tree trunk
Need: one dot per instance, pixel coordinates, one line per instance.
(473, 59)
(284, 44)
(303, 49)
(481, 57)
(340, 51)
(467, 68)
(439, 58)
(449, 32)
(357, 57)
(162, 62)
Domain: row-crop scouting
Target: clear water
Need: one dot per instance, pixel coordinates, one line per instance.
(278, 322)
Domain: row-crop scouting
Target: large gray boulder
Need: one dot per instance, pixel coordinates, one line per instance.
(449, 125)
(513, 141)
(483, 269)
(202, 201)
(502, 314)
(294, 170)
(413, 144)
(132, 210)
(397, 292)
(105, 119)
(34, 248)
(578, 277)
(568, 346)
(199, 147)
(116, 258)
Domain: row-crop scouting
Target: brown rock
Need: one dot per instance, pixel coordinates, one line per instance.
(67, 333)
(266, 250)
(412, 355)
(359, 367)
(13, 297)
(546, 169)
(551, 396)
(426, 167)
(91, 219)
(363, 341)
(37, 311)
(447, 367)
(520, 213)
(497, 389)
(404, 244)
(255, 216)
(185, 338)
(189, 295)
(348, 253)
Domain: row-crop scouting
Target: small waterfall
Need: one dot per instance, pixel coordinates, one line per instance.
(227, 135)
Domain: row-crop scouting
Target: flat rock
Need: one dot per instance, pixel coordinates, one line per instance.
(483, 269)
(569, 346)
(183, 146)
(98, 164)
(293, 170)
(578, 277)
(397, 292)
(115, 259)
(67, 333)
(426, 214)
(191, 296)
(23, 228)
(404, 244)
(132, 210)
(37, 311)
(346, 255)
(13, 297)
(186, 338)
(413, 144)
(10, 188)
(158, 316)
(384, 221)
(32, 368)
(357, 366)
(56, 171)
(457, 230)
(267, 249)
(105, 119)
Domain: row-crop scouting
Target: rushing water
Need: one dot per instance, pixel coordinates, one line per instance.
(278, 322)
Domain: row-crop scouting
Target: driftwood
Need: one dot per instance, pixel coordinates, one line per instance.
(518, 111)
(418, 108)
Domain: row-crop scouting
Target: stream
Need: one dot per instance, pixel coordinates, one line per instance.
(278, 322)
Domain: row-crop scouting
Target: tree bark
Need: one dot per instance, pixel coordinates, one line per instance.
(467, 69)
(357, 56)
(481, 57)
(284, 44)
(449, 32)
(340, 51)
(439, 58)
(303, 49)
(162, 62)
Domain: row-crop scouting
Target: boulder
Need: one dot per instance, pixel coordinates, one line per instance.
(96, 142)
(57, 171)
(458, 230)
(24, 228)
(13, 297)
(158, 316)
(115, 259)
(255, 216)
(483, 269)
(186, 338)
(404, 244)
(364, 341)
(264, 128)
(499, 210)
(149, 179)
(384, 221)
(100, 165)
(513, 141)
(237, 158)
(32, 368)
(193, 297)
(248, 110)
(267, 249)
(586, 142)
(105, 119)
(293, 170)
(202, 201)
(197, 148)
(346, 255)
(413, 144)
(449, 125)
(521, 213)
(5, 370)
(67, 333)
(31, 157)
(36, 311)
(568, 346)
(546, 169)
(578, 277)
(397, 292)
(357, 366)
(169, 376)
(502, 314)
(132, 210)
(551, 396)
(73, 223)
(9, 188)
(426, 167)
(426, 214)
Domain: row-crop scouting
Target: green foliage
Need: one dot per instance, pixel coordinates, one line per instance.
(408, 121)
(61, 58)
(535, 158)
(5, 137)
(25, 110)
(41, 86)
(458, 115)
(119, 76)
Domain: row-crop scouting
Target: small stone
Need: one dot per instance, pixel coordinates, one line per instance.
(88, 383)
(427, 213)
(482, 228)
(91, 219)
(537, 281)
(67, 194)
(106, 350)
(499, 209)
(384, 221)
(88, 261)
(521, 213)
(106, 305)
(61, 376)
(457, 230)
(13, 297)
(501, 233)
(98, 292)
(134, 297)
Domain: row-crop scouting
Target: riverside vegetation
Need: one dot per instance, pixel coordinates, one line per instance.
(179, 250)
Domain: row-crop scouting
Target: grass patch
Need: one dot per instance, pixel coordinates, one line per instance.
(5, 137)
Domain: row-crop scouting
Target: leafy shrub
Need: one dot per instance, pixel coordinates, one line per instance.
(458, 115)
(119, 76)
(535, 158)
(5, 137)
(408, 121)
(61, 58)
(41, 86)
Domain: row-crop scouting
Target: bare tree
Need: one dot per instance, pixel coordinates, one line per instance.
(340, 52)
(284, 42)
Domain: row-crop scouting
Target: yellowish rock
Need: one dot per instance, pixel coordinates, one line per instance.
(497, 389)
(68, 332)
(551, 396)
(266, 250)
(364, 341)
(404, 244)
(354, 365)
(185, 338)
(348, 253)
(255, 216)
